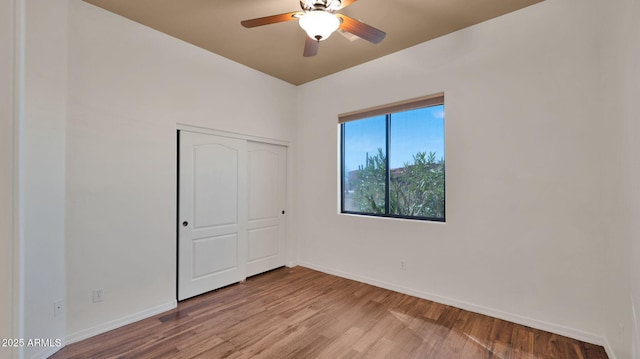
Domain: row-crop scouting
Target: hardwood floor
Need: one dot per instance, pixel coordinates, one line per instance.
(301, 313)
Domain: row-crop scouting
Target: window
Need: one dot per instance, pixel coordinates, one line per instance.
(392, 160)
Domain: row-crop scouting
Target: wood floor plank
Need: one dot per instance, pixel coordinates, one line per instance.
(301, 313)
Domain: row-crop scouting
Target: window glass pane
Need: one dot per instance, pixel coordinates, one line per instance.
(416, 186)
(364, 165)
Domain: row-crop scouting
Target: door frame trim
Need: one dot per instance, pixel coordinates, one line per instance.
(239, 136)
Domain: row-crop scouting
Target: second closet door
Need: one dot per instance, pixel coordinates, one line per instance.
(266, 227)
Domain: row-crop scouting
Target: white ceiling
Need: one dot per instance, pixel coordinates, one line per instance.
(276, 49)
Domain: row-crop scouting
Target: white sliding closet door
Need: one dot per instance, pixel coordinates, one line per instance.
(232, 220)
(212, 237)
(267, 200)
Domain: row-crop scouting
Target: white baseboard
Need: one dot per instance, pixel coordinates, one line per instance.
(518, 319)
(105, 327)
(609, 349)
(45, 353)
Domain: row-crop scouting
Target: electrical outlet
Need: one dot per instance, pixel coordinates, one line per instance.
(98, 295)
(403, 265)
(58, 308)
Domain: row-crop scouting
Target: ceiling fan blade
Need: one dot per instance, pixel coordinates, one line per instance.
(346, 3)
(361, 29)
(310, 47)
(271, 19)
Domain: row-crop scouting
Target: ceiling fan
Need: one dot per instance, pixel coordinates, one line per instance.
(319, 20)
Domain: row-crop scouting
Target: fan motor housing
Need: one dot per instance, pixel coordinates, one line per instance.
(327, 5)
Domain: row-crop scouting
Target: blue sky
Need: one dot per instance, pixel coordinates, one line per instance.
(413, 131)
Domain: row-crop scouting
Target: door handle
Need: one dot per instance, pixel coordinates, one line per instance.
(185, 223)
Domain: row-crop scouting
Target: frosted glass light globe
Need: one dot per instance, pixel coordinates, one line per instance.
(319, 24)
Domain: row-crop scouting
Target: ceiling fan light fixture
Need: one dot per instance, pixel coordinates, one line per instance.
(319, 24)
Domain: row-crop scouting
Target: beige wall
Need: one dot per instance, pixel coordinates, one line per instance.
(41, 166)
(6, 170)
(620, 84)
(129, 87)
(526, 194)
